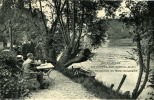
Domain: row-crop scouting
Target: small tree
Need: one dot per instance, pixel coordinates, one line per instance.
(141, 22)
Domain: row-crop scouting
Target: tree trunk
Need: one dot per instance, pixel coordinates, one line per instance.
(146, 74)
(20, 4)
(11, 36)
(68, 59)
(141, 65)
(30, 6)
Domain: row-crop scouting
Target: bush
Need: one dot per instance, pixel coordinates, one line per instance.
(27, 48)
(11, 83)
(8, 61)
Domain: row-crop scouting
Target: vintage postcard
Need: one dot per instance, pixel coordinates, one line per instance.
(76, 49)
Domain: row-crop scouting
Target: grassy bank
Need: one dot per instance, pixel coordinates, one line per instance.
(96, 87)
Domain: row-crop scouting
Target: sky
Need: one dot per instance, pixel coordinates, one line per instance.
(101, 13)
(122, 8)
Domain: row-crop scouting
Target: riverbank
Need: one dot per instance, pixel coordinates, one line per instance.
(98, 88)
(110, 63)
(64, 87)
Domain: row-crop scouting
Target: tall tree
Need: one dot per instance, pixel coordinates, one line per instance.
(73, 21)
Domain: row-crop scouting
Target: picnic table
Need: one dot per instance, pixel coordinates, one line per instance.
(46, 68)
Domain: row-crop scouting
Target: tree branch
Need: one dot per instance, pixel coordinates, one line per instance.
(58, 12)
(68, 21)
(43, 19)
(147, 72)
(74, 25)
(30, 6)
(65, 35)
(80, 30)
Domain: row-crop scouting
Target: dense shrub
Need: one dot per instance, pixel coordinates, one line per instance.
(27, 48)
(8, 60)
(12, 85)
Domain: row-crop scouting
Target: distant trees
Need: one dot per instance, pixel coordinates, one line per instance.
(117, 30)
(23, 26)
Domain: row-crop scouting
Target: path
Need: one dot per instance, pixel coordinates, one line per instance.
(63, 88)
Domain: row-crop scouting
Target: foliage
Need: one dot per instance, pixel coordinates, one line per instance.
(73, 22)
(24, 28)
(97, 29)
(8, 58)
(77, 24)
(10, 77)
(142, 25)
(118, 30)
(110, 6)
(24, 25)
(27, 48)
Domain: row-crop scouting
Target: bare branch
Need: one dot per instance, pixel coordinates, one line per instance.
(58, 12)
(43, 19)
(80, 30)
(64, 31)
(74, 25)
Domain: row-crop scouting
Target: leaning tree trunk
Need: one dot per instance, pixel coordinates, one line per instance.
(68, 58)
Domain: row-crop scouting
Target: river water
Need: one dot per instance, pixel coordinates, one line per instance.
(111, 63)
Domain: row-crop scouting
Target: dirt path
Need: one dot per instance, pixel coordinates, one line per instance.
(63, 88)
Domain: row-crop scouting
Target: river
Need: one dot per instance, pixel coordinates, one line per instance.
(111, 62)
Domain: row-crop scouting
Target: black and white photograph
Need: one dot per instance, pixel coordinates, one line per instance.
(76, 49)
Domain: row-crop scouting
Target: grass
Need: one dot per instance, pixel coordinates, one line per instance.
(99, 89)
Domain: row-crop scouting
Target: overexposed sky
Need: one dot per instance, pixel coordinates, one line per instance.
(101, 13)
(122, 8)
(47, 10)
